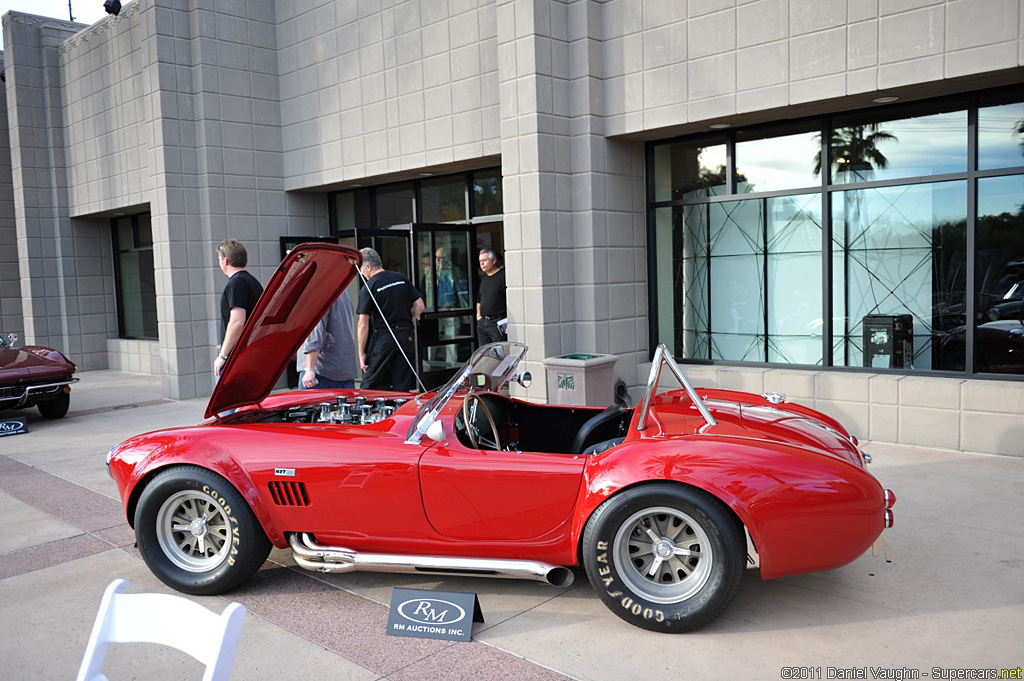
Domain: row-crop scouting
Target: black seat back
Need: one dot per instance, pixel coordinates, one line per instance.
(598, 428)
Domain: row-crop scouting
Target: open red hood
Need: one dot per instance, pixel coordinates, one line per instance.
(306, 283)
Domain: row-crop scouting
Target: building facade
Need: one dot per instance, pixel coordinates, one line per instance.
(815, 197)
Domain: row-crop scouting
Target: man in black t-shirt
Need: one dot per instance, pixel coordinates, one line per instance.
(491, 314)
(382, 362)
(237, 301)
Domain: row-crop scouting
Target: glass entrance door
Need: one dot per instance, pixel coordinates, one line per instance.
(440, 260)
(447, 330)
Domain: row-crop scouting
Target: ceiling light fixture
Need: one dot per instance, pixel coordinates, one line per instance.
(885, 100)
(720, 126)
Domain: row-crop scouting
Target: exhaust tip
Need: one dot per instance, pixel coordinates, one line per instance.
(560, 576)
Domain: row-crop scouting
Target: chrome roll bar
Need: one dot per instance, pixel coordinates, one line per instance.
(663, 358)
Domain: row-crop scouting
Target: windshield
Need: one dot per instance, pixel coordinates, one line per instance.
(490, 367)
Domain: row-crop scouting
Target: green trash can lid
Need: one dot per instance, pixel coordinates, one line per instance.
(578, 355)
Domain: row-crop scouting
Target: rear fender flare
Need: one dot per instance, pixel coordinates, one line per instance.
(628, 466)
(742, 473)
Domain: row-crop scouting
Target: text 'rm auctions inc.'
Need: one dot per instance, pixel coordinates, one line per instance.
(897, 673)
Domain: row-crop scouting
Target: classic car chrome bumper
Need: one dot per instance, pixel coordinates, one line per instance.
(890, 501)
(14, 398)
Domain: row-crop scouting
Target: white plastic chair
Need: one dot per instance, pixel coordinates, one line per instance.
(168, 620)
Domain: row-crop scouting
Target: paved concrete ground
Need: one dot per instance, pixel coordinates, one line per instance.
(953, 597)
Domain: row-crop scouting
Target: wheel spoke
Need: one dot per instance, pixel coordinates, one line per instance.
(655, 564)
(675, 531)
(676, 565)
(201, 541)
(653, 535)
(680, 551)
(687, 540)
(640, 547)
(180, 527)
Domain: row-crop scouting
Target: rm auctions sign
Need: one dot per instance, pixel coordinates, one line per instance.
(15, 426)
(445, 615)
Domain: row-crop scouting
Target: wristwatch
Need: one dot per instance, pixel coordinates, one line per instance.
(223, 357)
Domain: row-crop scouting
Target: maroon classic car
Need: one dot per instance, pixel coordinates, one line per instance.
(35, 376)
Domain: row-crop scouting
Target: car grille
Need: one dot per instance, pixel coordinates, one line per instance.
(288, 493)
(11, 393)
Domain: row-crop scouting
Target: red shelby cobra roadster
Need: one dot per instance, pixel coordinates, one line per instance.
(664, 505)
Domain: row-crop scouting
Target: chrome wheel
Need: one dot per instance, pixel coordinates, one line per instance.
(665, 554)
(193, 531)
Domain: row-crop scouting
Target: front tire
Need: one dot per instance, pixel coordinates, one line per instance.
(664, 557)
(57, 407)
(196, 532)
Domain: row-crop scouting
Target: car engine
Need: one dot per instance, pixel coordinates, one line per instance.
(358, 411)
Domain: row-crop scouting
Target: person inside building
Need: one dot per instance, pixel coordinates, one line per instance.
(238, 299)
(328, 357)
(491, 314)
(396, 303)
(447, 299)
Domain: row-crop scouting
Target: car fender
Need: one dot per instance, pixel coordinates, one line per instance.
(52, 355)
(805, 509)
(146, 455)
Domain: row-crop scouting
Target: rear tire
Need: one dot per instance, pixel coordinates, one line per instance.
(57, 407)
(664, 557)
(196, 532)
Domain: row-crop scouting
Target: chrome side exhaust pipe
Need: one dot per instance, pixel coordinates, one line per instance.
(310, 555)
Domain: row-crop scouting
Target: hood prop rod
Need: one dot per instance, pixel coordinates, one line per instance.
(391, 331)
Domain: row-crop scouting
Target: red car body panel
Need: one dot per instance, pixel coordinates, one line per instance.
(791, 475)
(370, 491)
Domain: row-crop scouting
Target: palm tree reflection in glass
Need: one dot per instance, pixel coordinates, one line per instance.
(855, 155)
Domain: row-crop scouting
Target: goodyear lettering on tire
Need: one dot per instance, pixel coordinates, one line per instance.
(235, 536)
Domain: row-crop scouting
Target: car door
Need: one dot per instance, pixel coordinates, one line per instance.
(474, 494)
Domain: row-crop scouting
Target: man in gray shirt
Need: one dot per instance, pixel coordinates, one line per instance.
(328, 357)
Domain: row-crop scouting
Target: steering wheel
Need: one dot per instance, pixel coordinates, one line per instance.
(471, 424)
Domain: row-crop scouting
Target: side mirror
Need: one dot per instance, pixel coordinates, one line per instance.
(524, 379)
(436, 431)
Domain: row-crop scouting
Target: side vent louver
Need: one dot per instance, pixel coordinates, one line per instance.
(288, 493)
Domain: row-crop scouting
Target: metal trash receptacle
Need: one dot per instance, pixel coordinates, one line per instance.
(581, 378)
(889, 341)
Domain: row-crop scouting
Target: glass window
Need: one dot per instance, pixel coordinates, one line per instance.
(739, 277)
(394, 205)
(898, 275)
(907, 147)
(682, 282)
(487, 198)
(352, 209)
(135, 277)
(999, 277)
(794, 283)
(689, 170)
(1001, 136)
(443, 199)
(741, 280)
(774, 163)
